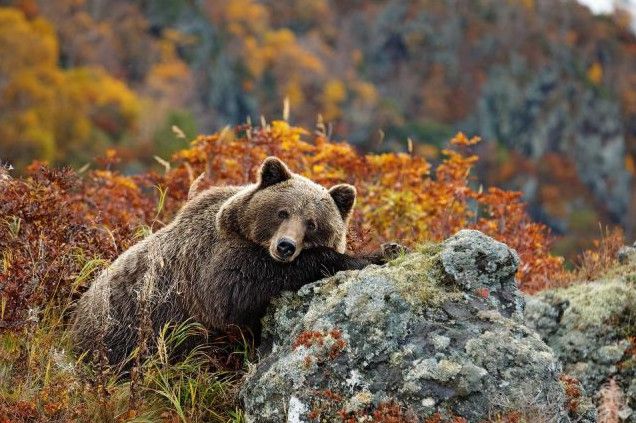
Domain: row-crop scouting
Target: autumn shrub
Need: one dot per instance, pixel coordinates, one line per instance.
(601, 258)
(55, 226)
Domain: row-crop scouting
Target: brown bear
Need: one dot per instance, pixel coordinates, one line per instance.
(222, 259)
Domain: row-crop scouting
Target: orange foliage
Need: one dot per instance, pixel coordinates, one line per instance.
(51, 113)
(573, 392)
(437, 418)
(53, 222)
(595, 73)
(309, 338)
(385, 412)
(593, 263)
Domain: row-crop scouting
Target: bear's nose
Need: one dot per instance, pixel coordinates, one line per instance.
(286, 247)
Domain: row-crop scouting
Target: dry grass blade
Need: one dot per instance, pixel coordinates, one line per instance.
(612, 405)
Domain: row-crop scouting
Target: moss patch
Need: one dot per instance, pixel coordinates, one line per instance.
(622, 271)
(597, 303)
(419, 278)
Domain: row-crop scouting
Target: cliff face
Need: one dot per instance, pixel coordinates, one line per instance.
(552, 113)
(436, 331)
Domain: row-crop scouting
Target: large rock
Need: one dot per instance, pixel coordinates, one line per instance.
(627, 255)
(592, 329)
(436, 331)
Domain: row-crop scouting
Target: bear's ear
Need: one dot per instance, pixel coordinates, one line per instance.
(273, 171)
(344, 195)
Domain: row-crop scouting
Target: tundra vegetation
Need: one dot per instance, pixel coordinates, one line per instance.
(60, 227)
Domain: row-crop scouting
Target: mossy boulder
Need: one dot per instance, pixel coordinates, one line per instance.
(627, 255)
(436, 331)
(592, 329)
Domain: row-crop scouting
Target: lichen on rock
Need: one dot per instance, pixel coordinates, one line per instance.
(627, 255)
(436, 331)
(592, 329)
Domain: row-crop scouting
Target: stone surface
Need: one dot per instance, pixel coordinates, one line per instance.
(436, 331)
(591, 328)
(627, 255)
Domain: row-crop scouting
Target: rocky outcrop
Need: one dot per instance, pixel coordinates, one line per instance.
(537, 112)
(592, 329)
(627, 255)
(435, 333)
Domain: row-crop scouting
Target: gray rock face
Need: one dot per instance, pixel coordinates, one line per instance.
(536, 112)
(591, 328)
(478, 263)
(436, 331)
(627, 255)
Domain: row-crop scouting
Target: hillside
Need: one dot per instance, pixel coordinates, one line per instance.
(549, 86)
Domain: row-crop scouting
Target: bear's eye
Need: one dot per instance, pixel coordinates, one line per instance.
(283, 214)
(311, 225)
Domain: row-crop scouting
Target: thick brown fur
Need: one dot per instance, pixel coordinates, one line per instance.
(217, 263)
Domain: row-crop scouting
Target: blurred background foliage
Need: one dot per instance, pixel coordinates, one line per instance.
(550, 87)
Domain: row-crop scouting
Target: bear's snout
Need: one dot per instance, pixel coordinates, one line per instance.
(285, 248)
(287, 242)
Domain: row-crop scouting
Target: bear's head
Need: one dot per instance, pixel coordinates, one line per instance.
(285, 212)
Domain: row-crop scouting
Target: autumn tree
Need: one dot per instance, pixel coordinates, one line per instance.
(50, 113)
